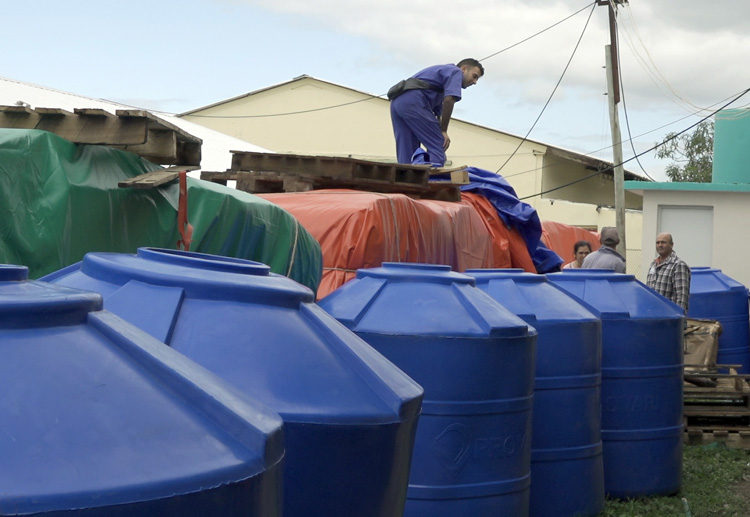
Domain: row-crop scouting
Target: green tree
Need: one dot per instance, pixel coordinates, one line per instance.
(692, 154)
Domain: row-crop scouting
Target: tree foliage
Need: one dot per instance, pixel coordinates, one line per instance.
(691, 154)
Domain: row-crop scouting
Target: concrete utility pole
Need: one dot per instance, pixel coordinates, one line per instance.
(613, 95)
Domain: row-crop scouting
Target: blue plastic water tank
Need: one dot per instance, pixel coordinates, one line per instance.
(99, 418)
(641, 380)
(475, 361)
(349, 414)
(567, 473)
(715, 296)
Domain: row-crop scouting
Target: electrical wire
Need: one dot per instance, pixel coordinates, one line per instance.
(665, 141)
(323, 108)
(637, 136)
(578, 43)
(622, 94)
(537, 34)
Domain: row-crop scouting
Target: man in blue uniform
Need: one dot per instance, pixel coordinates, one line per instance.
(422, 108)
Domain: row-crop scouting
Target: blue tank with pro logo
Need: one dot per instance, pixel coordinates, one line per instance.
(99, 418)
(349, 414)
(567, 473)
(475, 361)
(641, 380)
(716, 296)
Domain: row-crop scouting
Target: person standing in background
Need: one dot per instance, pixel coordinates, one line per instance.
(606, 257)
(581, 249)
(669, 275)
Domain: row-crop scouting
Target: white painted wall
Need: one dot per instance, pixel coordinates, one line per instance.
(730, 247)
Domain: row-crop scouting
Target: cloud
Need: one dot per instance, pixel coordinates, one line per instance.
(695, 47)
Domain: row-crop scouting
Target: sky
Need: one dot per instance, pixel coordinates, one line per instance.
(680, 60)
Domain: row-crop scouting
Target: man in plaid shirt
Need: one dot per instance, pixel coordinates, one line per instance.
(669, 275)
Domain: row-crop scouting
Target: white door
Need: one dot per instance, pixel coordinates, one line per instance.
(692, 229)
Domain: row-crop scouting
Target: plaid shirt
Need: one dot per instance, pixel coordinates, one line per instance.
(671, 279)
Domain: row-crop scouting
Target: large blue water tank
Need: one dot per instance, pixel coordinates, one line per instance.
(641, 380)
(715, 296)
(567, 473)
(349, 414)
(475, 361)
(99, 418)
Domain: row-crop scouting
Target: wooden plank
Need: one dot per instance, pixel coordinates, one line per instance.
(218, 177)
(155, 178)
(455, 175)
(732, 439)
(328, 166)
(159, 124)
(159, 147)
(16, 109)
(55, 112)
(93, 112)
(18, 117)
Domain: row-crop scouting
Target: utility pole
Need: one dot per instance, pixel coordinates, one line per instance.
(611, 56)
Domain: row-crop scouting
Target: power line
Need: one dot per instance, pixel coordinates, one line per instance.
(578, 43)
(668, 139)
(637, 136)
(624, 104)
(537, 34)
(334, 106)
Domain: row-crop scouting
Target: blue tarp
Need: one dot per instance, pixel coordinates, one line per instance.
(513, 212)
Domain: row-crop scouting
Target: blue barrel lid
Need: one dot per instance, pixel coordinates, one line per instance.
(260, 331)
(705, 280)
(95, 413)
(420, 299)
(611, 295)
(530, 296)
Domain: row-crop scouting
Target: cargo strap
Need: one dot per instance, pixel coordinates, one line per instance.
(183, 226)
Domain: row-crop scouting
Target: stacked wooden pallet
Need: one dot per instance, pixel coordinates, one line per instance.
(718, 410)
(264, 173)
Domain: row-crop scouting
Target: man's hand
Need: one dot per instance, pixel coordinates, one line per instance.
(446, 141)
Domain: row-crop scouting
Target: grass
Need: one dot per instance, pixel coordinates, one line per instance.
(715, 483)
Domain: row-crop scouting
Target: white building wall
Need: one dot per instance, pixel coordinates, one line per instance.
(731, 210)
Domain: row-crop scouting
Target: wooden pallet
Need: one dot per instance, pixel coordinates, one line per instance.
(263, 173)
(719, 413)
(732, 438)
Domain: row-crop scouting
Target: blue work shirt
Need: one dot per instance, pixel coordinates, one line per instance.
(447, 77)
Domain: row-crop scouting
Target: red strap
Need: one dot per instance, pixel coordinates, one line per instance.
(183, 226)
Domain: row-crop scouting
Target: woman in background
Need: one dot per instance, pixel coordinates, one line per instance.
(580, 250)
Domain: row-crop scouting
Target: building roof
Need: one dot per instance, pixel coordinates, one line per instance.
(584, 159)
(685, 186)
(215, 149)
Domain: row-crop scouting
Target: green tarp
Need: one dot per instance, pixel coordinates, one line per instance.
(59, 201)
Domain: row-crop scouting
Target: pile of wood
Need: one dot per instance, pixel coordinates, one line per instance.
(716, 400)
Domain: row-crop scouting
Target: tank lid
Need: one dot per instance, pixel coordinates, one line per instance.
(199, 274)
(612, 295)
(421, 300)
(531, 296)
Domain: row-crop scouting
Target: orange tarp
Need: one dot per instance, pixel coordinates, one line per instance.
(560, 238)
(508, 245)
(359, 229)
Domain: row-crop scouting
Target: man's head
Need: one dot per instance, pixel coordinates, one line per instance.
(472, 70)
(609, 237)
(664, 245)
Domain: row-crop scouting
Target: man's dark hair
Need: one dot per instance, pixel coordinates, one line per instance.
(580, 244)
(471, 62)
